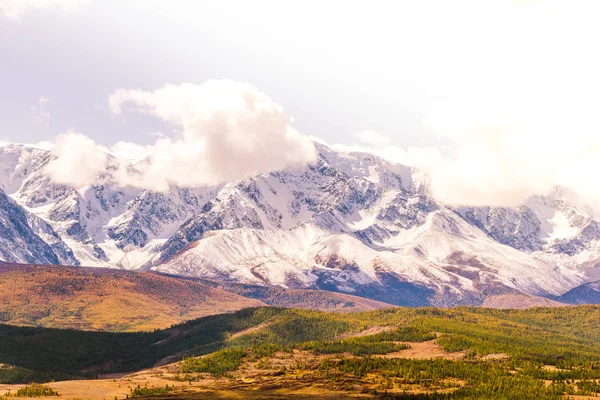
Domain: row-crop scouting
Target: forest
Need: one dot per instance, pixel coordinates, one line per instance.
(544, 353)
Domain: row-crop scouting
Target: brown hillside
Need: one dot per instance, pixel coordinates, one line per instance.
(106, 299)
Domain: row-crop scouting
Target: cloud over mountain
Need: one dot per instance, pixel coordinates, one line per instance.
(496, 164)
(226, 130)
(78, 160)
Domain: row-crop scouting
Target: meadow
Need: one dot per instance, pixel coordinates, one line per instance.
(544, 353)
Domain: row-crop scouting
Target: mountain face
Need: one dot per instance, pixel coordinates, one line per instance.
(350, 223)
(588, 293)
(25, 237)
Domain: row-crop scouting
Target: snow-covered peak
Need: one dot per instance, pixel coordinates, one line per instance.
(17, 162)
(351, 222)
(370, 167)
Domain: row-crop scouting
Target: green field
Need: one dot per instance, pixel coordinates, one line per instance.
(542, 353)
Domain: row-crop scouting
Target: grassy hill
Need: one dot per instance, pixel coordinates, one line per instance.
(117, 300)
(423, 353)
(106, 299)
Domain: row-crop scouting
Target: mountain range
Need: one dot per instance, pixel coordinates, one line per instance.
(351, 223)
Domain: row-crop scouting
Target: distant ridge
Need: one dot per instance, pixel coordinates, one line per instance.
(588, 293)
(519, 301)
(301, 298)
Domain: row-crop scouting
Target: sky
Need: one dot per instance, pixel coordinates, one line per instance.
(494, 100)
(308, 57)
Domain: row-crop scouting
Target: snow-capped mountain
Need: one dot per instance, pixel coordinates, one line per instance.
(352, 223)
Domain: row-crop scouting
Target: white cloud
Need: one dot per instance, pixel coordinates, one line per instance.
(516, 85)
(519, 108)
(372, 139)
(516, 108)
(44, 145)
(227, 131)
(501, 164)
(78, 160)
(39, 112)
(373, 142)
(158, 134)
(15, 9)
(130, 151)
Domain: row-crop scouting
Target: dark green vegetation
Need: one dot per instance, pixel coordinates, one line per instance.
(522, 344)
(356, 347)
(217, 363)
(140, 391)
(59, 353)
(34, 390)
(12, 374)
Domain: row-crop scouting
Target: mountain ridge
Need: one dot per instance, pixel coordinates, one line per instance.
(351, 223)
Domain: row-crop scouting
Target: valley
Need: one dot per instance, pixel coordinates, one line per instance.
(401, 353)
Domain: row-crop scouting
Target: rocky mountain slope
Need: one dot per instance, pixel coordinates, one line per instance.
(350, 223)
(25, 237)
(588, 293)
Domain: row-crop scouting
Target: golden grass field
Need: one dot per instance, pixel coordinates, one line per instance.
(125, 301)
(104, 299)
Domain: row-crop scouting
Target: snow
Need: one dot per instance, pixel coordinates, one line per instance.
(351, 218)
(561, 227)
(366, 218)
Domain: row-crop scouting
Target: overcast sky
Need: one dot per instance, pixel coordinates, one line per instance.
(497, 100)
(337, 68)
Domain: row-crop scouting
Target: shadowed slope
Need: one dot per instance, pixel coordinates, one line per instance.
(588, 293)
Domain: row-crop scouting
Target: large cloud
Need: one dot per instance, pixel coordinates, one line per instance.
(226, 131)
(515, 104)
(513, 138)
(519, 108)
(499, 164)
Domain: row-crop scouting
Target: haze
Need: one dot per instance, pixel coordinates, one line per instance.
(494, 101)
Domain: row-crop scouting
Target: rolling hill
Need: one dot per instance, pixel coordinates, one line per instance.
(398, 353)
(588, 293)
(106, 299)
(117, 300)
